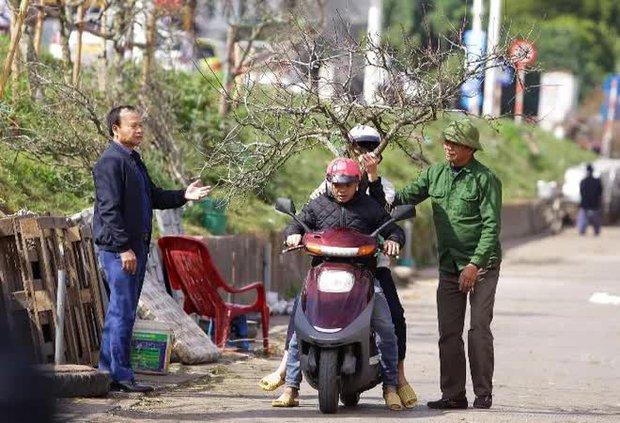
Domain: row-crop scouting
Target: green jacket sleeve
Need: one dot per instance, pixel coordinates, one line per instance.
(415, 192)
(490, 211)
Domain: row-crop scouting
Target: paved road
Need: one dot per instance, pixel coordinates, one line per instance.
(557, 353)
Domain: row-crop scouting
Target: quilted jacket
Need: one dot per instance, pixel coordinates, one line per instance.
(361, 213)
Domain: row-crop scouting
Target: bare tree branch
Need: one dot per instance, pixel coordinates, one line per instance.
(302, 95)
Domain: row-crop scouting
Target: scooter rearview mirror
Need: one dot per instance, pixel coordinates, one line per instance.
(285, 205)
(403, 212)
(399, 213)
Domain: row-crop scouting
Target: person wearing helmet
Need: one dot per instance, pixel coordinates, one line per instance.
(466, 199)
(364, 140)
(344, 205)
(365, 137)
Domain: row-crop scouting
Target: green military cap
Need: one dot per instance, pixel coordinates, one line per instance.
(462, 132)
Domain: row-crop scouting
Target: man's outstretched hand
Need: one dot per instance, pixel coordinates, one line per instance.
(197, 191)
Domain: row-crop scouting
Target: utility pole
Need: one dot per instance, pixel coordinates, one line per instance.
(519, 94)
(491, 102)
(522, 53)
(476, 33)
(373, 75)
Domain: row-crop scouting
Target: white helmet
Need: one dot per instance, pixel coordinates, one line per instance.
(364, 133)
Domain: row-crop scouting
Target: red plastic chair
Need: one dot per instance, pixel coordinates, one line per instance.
(191, 269)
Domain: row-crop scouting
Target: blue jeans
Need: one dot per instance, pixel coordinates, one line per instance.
(585, 217)
(125, 289)
(381, 321)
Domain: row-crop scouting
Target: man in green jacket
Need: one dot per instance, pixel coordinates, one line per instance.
(466, 199)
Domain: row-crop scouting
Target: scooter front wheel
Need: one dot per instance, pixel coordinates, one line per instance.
(329, 381)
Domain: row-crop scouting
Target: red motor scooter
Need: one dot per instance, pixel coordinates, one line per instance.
(338, 354)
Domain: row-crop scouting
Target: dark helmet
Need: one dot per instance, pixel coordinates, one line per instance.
(343, 171)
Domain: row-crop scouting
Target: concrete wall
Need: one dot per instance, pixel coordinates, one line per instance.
(523, 219)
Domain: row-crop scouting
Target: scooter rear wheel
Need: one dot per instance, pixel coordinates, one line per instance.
(350, 400)
(329, 381)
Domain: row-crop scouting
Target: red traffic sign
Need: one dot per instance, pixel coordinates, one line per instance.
(522, 53)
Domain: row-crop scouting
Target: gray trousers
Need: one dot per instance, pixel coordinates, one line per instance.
(451, 304)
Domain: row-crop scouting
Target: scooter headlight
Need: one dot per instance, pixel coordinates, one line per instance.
(336, 281)
(325, 250)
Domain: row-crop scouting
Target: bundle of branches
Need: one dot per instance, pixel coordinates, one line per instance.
(303, 90)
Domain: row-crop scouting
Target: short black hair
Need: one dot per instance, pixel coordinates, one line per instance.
(114, 116)
(367, 145)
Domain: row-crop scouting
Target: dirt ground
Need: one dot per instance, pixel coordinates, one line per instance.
(224, 386)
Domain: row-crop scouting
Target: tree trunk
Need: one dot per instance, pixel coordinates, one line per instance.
(190, 17)
(78, 48)
(118, 27)
(149, 52)
(229, 71)
(189, 24)
(28, 40)
(103, 57)
(15, 36)
(38, 29)
(65, 32)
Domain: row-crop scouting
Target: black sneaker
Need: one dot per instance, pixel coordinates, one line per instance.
(449, 404)
(483, 402)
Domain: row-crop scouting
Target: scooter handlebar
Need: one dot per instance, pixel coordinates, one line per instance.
(289, 249)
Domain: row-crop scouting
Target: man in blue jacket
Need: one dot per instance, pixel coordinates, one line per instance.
(125, 198)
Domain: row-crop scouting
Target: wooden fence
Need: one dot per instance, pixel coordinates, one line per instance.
(243, 259)
(32, 251)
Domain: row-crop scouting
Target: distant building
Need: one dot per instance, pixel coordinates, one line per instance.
(212, 21)
(558, 98)
(213, 18)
